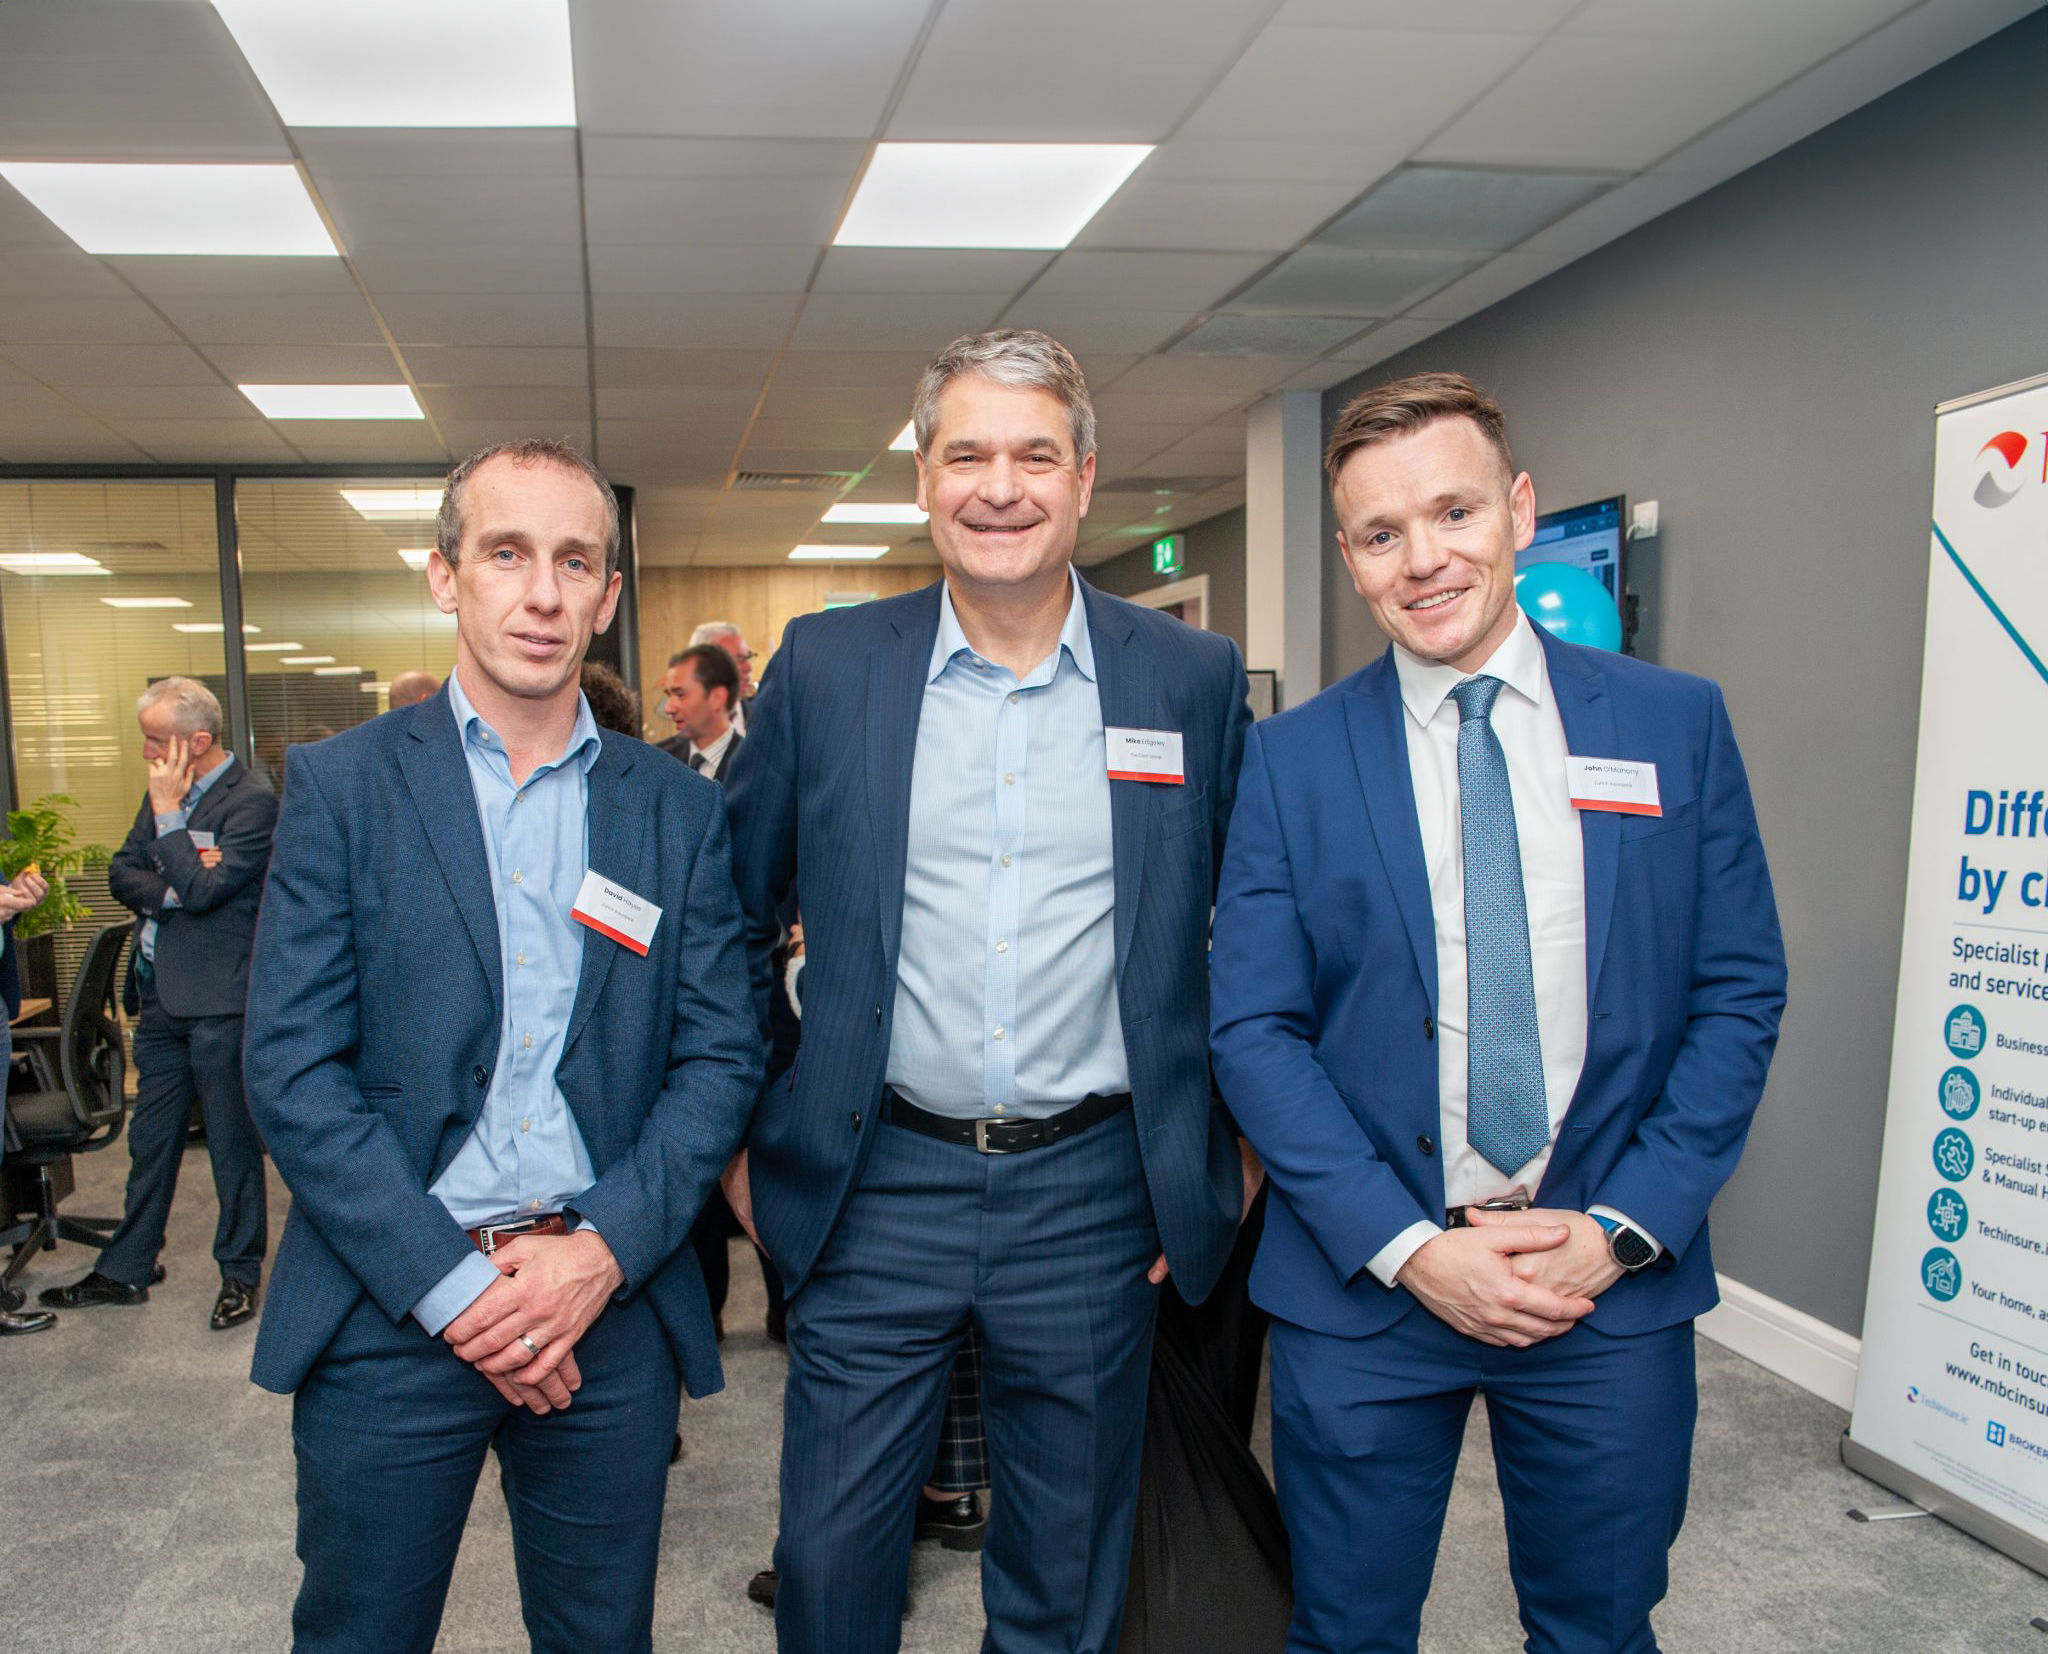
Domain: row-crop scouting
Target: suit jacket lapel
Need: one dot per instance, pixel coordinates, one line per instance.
(1379, 748)
(214, 800)
(1588, 715)
(896, 679)
(437, 774)
(616, 831)
(1127, 685)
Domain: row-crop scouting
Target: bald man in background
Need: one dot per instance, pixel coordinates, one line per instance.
(411, 688)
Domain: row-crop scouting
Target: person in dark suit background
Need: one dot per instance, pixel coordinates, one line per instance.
(497, 1122)
(1000, 1115)
(192, 870)
(699, 692)
(1497, 1028)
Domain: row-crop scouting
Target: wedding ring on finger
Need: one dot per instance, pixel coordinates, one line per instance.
(531, 1347)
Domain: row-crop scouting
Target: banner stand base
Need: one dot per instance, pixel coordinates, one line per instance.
(1898, 1513)
(2000, 1535)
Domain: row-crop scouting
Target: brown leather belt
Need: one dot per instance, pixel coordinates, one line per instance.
(488, 1238)
(1003, 1136)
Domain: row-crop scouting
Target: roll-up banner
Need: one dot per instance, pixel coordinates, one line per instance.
(1952, 1389)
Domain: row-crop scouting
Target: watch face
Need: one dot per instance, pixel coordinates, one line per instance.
(1630, 1250)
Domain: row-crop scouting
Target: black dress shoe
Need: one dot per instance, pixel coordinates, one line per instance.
(761, 1589)
(36, 1320)
(236, 1304)
(156, 1275)
(957, 1524)
(93, 1290)
(675, 1453)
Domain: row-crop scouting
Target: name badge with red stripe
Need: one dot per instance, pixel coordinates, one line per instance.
(613, 910)
(1624, 785)
(1145, 755)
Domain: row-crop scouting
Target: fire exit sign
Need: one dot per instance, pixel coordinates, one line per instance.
(1166, 553)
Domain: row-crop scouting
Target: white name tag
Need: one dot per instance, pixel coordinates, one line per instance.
(613, 910)
(202, 841)
(1145, 755)
(1624, 785)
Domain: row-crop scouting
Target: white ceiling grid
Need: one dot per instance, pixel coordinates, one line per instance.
(659, 283)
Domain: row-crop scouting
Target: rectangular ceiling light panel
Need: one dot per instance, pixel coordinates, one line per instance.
(837, 554)
(415, 558)
(874, 511)
(906, 440)
(409, 63)
(984, 195)
(272, 648)
(51, 562)
(146, 602)
(121, 207)
(203, 627)
(334, 401)
(390, 505)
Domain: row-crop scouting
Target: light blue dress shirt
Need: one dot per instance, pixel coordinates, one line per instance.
(1006, 1002)
(172, 821)
(525, 1156)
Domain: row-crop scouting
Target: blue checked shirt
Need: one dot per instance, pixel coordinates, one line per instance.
(525, 1156)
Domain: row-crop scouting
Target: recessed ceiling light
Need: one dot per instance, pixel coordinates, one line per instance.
(149, 207)
(401, 63)
(336, 671)
(51, 562)
(415, 558)
(837, 554)
(270, 648)
(334, 401)
(145, 603)
(209, 626)
(875, 511)
(984, 195)
(389, 504)
(906, 440)
(374, 688)
(306, 660)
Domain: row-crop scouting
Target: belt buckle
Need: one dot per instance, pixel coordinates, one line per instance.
(487, 1239)
(981, 1141)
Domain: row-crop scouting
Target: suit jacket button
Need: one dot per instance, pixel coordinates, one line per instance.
(1426, 1144)
(1429, 1027)
(480, 1074)
(878, 1016)
(856, 1119)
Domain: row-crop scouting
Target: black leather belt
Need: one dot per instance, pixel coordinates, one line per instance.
(1455, 1218)
(1003, 1136)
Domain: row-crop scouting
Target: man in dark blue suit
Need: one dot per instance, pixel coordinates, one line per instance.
(1497, 981)
(500, 1045)
(1007, 793)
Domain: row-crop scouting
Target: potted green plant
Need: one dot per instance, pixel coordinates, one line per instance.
(41, 835)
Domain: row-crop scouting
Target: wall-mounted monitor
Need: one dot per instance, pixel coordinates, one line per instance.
(1589, 537)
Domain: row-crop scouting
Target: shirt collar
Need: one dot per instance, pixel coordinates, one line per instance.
(1074, 637)
(584, 741)
(1518, 663)
(199, 787)
(716, 750)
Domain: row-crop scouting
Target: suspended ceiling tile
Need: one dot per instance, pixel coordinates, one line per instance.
(350, 441)
(910, 273)
(1390, 339)
(654, 465)
(1124, 404)
(1493, 281)
(466, 436)
(712, 212)
(708, 434)
(486, 156)
(339, 318)
(1821, 22)
(1171, 377)
(77, 442)
(1271, 160)
(803, 369)
(1459, 209)
(1088, 329)
(730, 404)
(1334, 281)
(470, 268)
(1298, 336)
(501, 365)
(694, 269)
(1230, 215)
(48, 272)
(644, 368)
(867, 402)
(294, 364)
(879, 321)
(802, 431)
(712, 68)
(1152, 280)
(701, 321)
(1320, 376)
(850, 460)
(68, 321)
(485, 319)
(256, 447)
(66, 365)
(158, 402)
(1456, 16)
(1621, 209)
(1099, 74)
(544, 402)
(764, 157)
(149, 433)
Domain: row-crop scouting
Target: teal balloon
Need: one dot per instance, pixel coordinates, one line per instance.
(1570, 604)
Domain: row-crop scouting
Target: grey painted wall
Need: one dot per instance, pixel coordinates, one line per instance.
(1215, 548)
(1765, 362)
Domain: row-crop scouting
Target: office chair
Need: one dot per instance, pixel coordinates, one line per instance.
(45, 1128)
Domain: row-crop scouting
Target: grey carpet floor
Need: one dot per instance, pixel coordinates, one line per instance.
(146, 1506)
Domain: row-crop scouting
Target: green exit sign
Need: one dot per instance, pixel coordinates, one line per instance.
(1166, 553)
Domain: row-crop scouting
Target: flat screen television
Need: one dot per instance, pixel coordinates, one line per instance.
(1589, 537)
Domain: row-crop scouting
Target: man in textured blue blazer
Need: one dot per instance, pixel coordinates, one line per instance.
(500, 1045)
(1006, 795)
(1497, 980)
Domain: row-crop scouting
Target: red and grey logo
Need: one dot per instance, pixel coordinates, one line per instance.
(2000, 484)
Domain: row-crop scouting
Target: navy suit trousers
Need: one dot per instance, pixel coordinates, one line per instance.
(1592, 1445)
(391, 1429)
(1044, 1253)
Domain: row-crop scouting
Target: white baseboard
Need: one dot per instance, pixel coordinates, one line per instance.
(1787, 1341)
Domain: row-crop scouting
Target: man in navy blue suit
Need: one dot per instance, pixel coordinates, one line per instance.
(1007, 794)
(500, 1045)
(1497, 981)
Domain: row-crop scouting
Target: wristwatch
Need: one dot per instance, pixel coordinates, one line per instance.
(1627, 1247)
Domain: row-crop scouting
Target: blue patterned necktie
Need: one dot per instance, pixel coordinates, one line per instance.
(1507, 1115)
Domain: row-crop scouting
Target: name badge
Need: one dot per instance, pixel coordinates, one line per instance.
(1145, 755)
(202, 841)
(1624, 785)
(612, 910)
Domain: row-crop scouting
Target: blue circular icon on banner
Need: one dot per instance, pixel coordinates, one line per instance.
(1959, 1093)
(1965, 1031)
(1941, 1274)
(1948, 1214)
(1954, 1155)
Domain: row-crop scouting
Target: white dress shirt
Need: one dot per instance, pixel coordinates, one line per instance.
(713, 755)
(1525, 717)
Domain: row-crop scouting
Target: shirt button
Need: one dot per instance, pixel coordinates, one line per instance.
(1006, 861)
(518, 877)
(528, 1042)
(518, 796)
(535, 1207)
(999, 1030)
(1009, 780)
(1013, 697)
(519, 959)
(526, 1125)
(999, 1106)
(1002, 947)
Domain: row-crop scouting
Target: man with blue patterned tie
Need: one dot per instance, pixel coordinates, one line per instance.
(1497, 980)
(1006, 793)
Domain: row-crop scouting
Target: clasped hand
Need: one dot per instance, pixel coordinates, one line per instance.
(1513, 1279)
(549, 1289)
